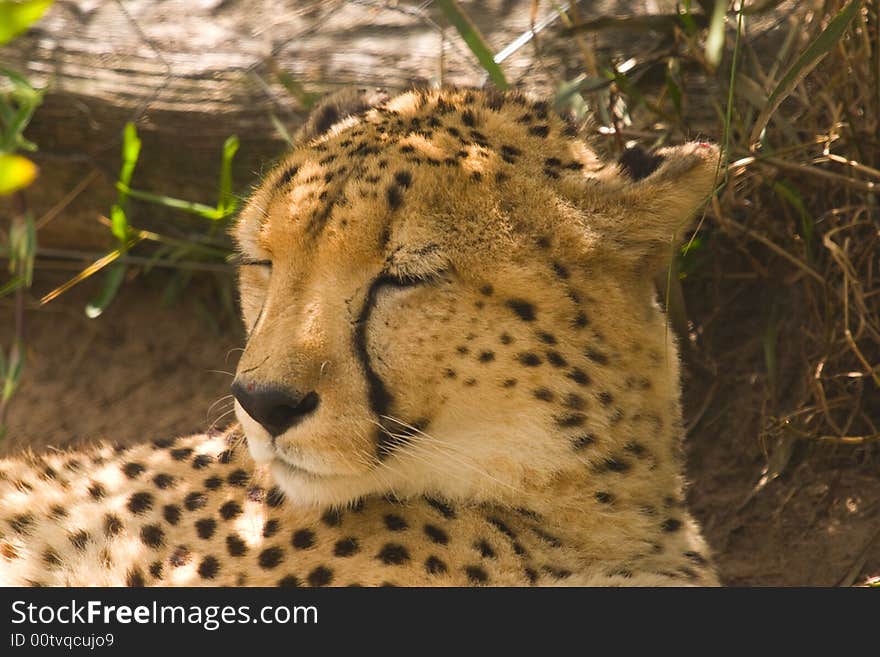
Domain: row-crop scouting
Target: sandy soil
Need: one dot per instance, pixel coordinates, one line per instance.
(143, 370)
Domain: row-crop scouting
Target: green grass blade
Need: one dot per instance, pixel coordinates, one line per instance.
(475, 41)
(226, 204)
(131, 150)
(200, 209)
(16, 17)
(806, 62)
(112, 282)
(715, 40)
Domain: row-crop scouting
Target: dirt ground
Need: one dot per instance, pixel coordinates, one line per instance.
(143, 370)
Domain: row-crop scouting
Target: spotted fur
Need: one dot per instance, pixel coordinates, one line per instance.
(456, 374)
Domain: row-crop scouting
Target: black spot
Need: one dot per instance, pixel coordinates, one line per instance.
(205, 527)
(180, 556)
(612, 464)
(510, 153)
(271, 528)
(213, 483)
(508, 383)
(152, 536)
(436, 534)
(332, 518)
(551, 173)
(561, 270)
(597, 356)
(505, 338)
(164, 443)
(549, 539)
(403, 178)
(637, 163)
(346, 547)
(476, 574)
(574, 402)
(671, 525)
(140, 503)
(21, 524)
(467, 117)
(580, 320)
(636, 449)
(134, 578)
(80, 539)
(208, 568)
(696, 557)
(275, 497)
(523, 309)
(571, 420)
(225, 456)
(558, 573)
(484, 549)
(445, 510)
(544, 394)
(604, 498)
(579, 376)
(529, 359)
(202, 461)
(394, 197)
(239, 478)
(552, 162)
(96, 491)
(394, 522)
(163, 481)
(230, 510)
(582, 442)
(320, 576)
(156, 569)
(270, 557)
(303, 539)
(171, 513)
(539, 130)
(57, 512)
(605, 398)
(435, 566)
(501, 526)
(289, 582)
(287, 176)
(195, 501)
(556, 359)
(393, 554)
(235, 546)
(181, 454)
(486, 356)
(547, 338)
(133, 470)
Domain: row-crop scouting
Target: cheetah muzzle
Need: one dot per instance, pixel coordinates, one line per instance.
(456, 373)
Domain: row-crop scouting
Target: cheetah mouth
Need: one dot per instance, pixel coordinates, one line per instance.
(295, 470)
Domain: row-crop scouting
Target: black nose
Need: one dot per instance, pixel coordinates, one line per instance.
(276, 409)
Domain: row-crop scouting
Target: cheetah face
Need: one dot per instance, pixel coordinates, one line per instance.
(427, 289)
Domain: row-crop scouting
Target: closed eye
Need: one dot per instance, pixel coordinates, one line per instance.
(411, 280)
(241, 260)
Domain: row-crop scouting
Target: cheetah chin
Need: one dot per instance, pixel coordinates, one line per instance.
(456, 373)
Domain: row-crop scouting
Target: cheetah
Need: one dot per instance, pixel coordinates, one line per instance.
(457, 373)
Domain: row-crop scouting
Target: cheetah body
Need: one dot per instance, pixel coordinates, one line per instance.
(452, 295)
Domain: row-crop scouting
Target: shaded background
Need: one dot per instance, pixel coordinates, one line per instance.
(775, 302)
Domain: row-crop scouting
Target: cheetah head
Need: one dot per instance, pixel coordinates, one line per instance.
(451, 294)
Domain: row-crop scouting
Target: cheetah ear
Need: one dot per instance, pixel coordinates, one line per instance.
(657, 201)
(338, 106)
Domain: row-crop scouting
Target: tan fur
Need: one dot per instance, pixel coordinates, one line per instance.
(530, 427)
